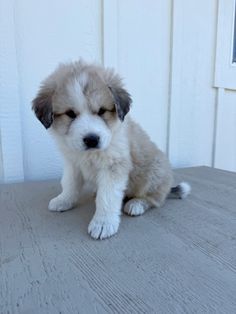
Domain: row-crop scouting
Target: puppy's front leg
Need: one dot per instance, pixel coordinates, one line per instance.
(71, 185)
(109, 198)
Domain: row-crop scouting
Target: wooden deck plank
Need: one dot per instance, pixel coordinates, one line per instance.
(177, 259)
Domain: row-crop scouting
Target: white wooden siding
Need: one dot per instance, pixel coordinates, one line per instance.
(164, 49)
(225, 156)
(225, 69)
(10, 122)
(144, 61)
(192, 95)
(35, 37)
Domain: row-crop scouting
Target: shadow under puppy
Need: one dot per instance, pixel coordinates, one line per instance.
(85, 107)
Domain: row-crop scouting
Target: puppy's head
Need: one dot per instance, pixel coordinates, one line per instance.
(82, 104)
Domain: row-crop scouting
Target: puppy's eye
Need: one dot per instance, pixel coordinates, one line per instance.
(71, 114)
(101, 111)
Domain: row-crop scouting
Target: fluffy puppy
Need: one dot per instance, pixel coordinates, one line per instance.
(86, 107)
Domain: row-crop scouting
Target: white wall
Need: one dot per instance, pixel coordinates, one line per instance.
(36, 36)
(1, 162)
(165, 50)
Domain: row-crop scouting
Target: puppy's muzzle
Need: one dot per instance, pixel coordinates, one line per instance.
(91, 141)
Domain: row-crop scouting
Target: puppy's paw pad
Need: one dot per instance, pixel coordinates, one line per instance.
(101, 228)
(59, 204)
(134, 208)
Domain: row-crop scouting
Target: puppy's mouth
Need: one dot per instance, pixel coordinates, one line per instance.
(91, 148)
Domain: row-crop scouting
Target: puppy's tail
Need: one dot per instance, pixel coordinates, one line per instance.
(182, 190)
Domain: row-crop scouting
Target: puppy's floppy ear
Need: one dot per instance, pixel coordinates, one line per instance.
(122, 101)
(42, 106)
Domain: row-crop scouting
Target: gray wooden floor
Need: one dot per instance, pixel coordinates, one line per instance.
(178, 259)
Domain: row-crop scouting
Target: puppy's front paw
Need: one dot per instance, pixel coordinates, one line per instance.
(60, 204)
(103, 227)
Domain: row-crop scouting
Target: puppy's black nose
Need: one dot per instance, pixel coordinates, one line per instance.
(91, 140)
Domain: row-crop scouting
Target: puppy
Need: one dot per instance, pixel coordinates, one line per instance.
(85, 107)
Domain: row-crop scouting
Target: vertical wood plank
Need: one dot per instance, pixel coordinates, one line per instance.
(225, 71)
(10, 111)
(143, 61)
(225, 154)
(1, 162)
(54, 32)
(110, 33)
(193, 98)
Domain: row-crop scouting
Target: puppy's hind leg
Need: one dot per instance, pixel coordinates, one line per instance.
(137, 206)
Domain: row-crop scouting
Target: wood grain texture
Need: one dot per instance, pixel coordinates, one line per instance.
(178, 259)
